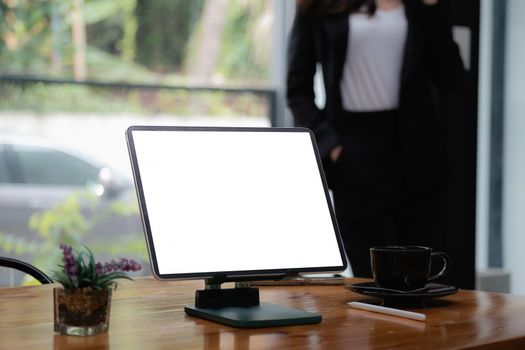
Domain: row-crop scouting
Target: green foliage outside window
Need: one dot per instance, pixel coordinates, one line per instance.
(67, 223)
(131, 40)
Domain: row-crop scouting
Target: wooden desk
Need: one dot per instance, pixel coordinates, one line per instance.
(148, 314)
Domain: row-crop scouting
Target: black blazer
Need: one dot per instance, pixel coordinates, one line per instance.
(431, 64)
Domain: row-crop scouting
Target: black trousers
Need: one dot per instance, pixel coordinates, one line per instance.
(372, 203)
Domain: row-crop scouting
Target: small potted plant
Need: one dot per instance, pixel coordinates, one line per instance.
(82, 306)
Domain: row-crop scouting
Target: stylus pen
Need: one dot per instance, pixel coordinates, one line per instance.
(388, 311)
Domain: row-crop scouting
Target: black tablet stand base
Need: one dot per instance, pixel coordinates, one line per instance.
(240, 307)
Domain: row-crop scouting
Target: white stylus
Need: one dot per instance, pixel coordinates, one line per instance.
(388, 311)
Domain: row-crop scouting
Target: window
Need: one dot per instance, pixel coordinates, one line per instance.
(75, 72)
(4, 172)
(50, 167)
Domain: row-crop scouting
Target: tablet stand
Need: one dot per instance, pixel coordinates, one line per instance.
(213, 296)
(240, 307)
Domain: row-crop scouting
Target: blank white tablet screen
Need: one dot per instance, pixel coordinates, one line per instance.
(234, 201)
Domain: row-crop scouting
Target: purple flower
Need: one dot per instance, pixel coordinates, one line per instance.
(66, 248)
(124, 264)
(70, 264)
(71, 270)
(135, 266)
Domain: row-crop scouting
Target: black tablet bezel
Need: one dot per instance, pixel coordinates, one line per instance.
(230, 275)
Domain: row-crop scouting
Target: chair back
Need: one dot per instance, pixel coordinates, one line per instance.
(26, 268)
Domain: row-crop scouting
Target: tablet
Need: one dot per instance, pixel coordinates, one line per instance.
(233, 202)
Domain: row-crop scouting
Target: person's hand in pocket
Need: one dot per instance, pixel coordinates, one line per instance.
(335, 153)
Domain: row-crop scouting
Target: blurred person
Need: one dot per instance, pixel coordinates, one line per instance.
(380, 135)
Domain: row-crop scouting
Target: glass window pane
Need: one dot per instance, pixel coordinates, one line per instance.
(50, 167)
(161, 42)
(79, 73)
(4, 174)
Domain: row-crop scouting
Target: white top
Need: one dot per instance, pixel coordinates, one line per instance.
(372, 70)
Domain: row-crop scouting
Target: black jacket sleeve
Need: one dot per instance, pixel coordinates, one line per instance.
(442, 53)
(302, 61)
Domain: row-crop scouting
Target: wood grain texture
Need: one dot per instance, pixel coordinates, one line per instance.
(149, 314)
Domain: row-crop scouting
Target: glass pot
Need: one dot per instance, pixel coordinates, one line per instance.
(81, 311)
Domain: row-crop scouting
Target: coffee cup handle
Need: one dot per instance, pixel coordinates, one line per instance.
(446, 263)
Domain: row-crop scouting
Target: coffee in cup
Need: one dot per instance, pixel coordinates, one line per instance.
(405, 268)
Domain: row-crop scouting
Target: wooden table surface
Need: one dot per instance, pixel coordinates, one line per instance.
(149, 314)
